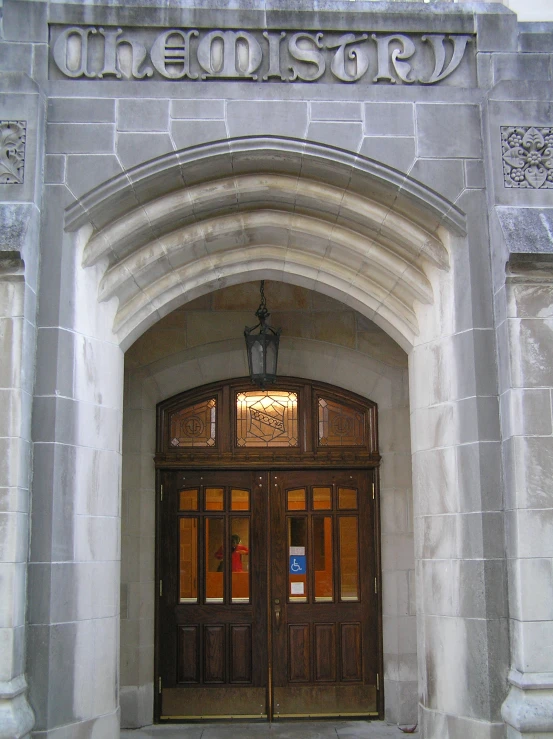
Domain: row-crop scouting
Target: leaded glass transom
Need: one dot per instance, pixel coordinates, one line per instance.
(267, 418)
(194, 426)
(340, 425)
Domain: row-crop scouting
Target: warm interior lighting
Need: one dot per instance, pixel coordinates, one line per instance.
(267, 418)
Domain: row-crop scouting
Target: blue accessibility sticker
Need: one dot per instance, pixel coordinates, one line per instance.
(298, 565)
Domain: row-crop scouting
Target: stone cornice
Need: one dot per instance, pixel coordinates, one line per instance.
(339, 15)
(530, 268)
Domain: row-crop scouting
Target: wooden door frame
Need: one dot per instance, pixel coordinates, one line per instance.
(225, 457)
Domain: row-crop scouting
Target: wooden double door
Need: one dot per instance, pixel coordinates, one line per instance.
(268, 602)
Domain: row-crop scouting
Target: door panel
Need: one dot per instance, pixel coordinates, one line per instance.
(212, 615)
(325, 653)
(327, 622)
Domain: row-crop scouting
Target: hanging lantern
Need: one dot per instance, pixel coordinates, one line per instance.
(262, 348)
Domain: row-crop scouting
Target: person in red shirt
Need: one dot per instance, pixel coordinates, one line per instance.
(238, 549)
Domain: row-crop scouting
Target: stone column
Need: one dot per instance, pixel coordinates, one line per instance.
(21, 161)
(16, 717)
(526, 415)
(73, 657)
(462, 625)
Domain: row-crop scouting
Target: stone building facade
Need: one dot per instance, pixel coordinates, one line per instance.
(388, 169)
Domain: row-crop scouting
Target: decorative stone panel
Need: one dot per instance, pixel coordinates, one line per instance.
(12, 152)
(527, 157)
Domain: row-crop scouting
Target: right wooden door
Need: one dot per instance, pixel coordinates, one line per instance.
(324, 624)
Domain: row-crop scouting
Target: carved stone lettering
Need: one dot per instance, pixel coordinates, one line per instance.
(170, 54)
(384, 58)
(72, 58)
(349, 53)
(232, 63)
(303, 47)
(306, 56)
(112, 42)
(274, 54)
(527, 157)
(12, 152)
(441, 71)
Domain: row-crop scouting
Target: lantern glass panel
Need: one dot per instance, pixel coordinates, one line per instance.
(257, 354)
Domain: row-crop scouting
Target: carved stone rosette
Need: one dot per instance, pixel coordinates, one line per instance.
(12, 152)
(527, 157)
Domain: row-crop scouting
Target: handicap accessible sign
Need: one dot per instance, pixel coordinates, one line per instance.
(297, 564)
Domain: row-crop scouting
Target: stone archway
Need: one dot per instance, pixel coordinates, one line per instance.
(172, 357)
(324, 218)
(178, 228)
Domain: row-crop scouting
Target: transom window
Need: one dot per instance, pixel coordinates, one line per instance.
(294, 421)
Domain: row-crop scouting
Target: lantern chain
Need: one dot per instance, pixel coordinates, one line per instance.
(262, 313)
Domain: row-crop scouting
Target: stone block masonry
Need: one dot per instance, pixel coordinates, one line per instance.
(387, 167)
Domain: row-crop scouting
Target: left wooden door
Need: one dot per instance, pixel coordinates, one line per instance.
(212, 612)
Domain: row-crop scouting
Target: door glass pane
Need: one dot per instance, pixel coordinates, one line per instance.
(322, 557)
(347, 498)
(349, 558)
(322, 499)
(240, 559)
(188, 500)
(188, 560)
(214, 499)
(214, 560)
(297, 551)
(240, 500)
(296, 500)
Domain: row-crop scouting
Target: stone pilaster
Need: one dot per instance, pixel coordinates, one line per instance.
(528, 453)
(16, 717)
(22, 126)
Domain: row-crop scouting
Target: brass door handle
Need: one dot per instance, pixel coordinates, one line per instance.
(277, 616)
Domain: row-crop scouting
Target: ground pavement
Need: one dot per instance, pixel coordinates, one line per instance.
(277, 730)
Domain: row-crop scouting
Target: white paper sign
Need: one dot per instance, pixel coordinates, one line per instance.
(296, 588)
(297, 551)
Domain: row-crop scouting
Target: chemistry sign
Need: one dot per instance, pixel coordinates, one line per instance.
(90, 52)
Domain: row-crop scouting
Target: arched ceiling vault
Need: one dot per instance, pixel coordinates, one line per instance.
(323, 219)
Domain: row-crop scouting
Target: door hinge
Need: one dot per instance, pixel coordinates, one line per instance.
(159, 685)
(161, 492)
(377, 681)
(160, 588)
(373, 490)
(375, 586)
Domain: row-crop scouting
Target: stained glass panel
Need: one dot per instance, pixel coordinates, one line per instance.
(322, 558)
(296, 499)
(240, 500)
(347, 498)
(267, 418)
(214, 560)
(188, 555)
(349, 558)
(322, 499)
(340, 425)
(195, 425)
(188, 500)
(214, 499)
(240, 559)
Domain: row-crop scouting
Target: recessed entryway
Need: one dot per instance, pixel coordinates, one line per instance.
(269, 585)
